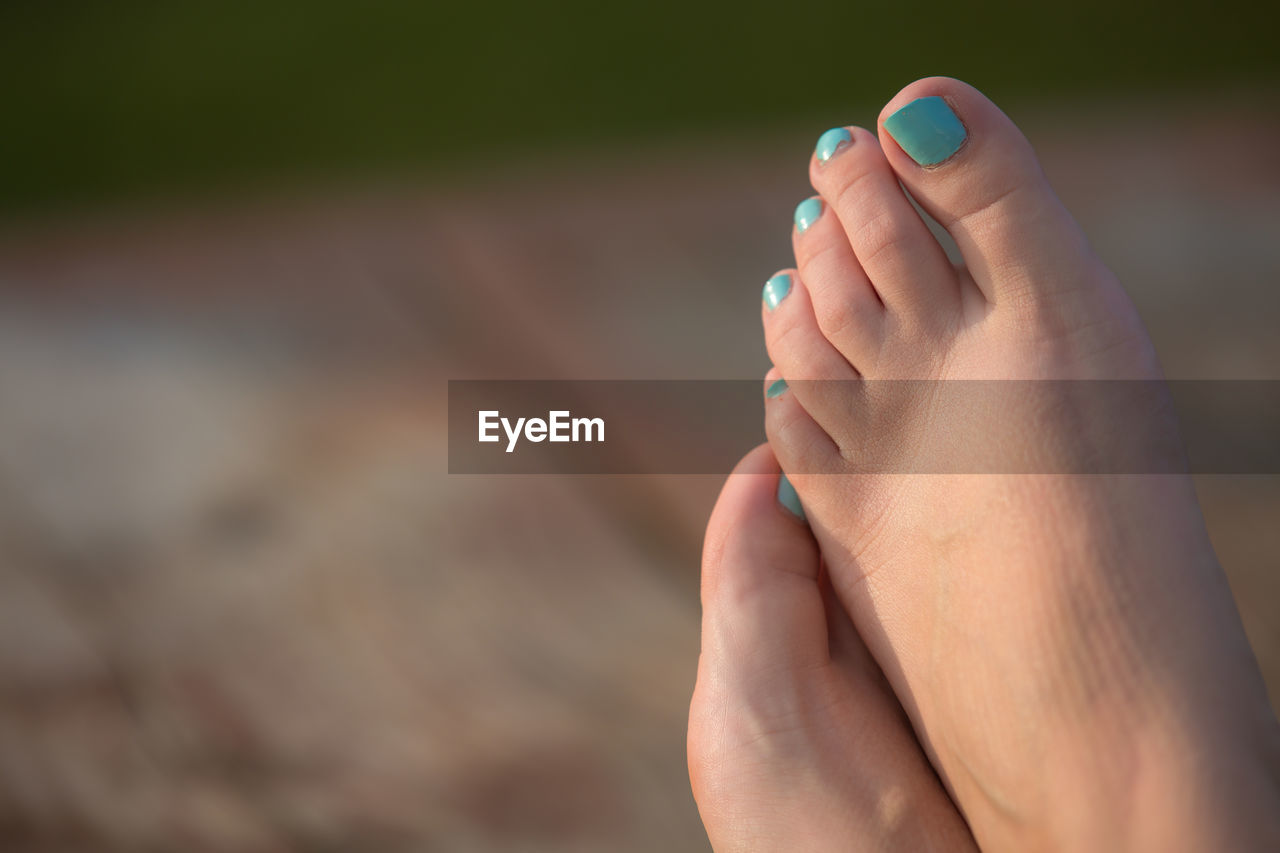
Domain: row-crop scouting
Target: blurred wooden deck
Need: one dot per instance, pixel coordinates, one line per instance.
(243, 607)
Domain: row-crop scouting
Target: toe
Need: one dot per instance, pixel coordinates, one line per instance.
(802, 353)
(762, 605)
(903, 261)
(799, 441)
(795, 742)
(849, 313)
(971, 168)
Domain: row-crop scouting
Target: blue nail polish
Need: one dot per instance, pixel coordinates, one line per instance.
(776, 289)
(831, 142)
(775, 388)
(788, 498)
(807, 213)
(927, 130)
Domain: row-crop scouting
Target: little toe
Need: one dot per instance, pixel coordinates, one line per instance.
(800, 443)
(905, 264)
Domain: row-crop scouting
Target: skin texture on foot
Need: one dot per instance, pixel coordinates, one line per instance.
(795, 740)
(1065, 644)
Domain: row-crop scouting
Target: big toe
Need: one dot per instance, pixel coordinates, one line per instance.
(973, 171)
(761, 606)
(795, 741)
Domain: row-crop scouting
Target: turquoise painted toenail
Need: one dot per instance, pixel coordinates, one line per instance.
(831, 142)
(788, 498)
(776, 289)
(775, 389)
(807, 213)
(927, 130)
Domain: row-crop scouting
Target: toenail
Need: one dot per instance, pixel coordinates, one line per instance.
(807, 213)
(788, 498)
(775, 389)
(831, 142)
(776, 289)
(927, 130)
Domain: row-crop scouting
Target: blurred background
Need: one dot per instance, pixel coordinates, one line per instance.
(244, 245)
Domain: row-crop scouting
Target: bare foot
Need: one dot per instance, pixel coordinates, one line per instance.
(1065, 645)
(795, 740)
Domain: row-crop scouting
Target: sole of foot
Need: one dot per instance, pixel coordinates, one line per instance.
(1064, 643)
(795, 739)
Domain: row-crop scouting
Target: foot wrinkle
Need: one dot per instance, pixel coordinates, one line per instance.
(860, 546)
(828, 247)
(838, 319)
(878, 235)
(843, 200)
(962, 220)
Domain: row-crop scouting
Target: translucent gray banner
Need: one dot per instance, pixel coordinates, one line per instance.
(882, 426)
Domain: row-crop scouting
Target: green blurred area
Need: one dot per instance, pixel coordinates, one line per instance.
(111, 100)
